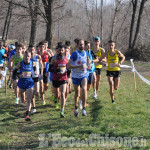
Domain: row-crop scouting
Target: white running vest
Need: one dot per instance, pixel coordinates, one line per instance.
(37, 66)
(79, 72)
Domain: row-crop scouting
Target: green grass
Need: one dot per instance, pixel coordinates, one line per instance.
(129, 117)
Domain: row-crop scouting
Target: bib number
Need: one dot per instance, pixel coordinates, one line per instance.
(113, 65)
(62, 70)
(26, 74)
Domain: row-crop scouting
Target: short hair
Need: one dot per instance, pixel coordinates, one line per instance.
(45, 41)
(67, 43)
(76, 40)
(16, 43)
(19, 45)
(111, 41)
(79, 41)
(87, 42)
(59, 43)
(27, 52)
(31, 45)
(41, 43)
(61, 46)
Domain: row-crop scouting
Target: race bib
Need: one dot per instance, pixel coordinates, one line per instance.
(62, 70)
(113, 65)
(26, 74)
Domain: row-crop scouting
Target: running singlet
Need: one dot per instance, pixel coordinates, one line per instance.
(79, 72)
(61, 65)
(2, 52)
(37, 66)
(112, 61)
(17, 60)
(93, 65)
(98, 54)
(44, 58)
(26, 70)
(6, 48)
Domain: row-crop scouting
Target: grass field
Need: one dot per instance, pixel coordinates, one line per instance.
(129, 117)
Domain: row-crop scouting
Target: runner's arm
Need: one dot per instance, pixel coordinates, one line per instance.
(41, 64)
(16, 69)
(121, 56)
(70, 66)
(104, 56)
(103, 52)
(10, 64)
(49, 55)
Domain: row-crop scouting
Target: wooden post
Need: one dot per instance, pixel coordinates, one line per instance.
(133, 70)
(134, 80)
(5, 85)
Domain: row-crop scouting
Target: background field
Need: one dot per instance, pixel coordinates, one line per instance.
(129, 117)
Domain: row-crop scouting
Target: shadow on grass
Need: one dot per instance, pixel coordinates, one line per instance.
(95, 111)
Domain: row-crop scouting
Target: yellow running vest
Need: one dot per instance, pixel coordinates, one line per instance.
(112, 61)
(98, 54)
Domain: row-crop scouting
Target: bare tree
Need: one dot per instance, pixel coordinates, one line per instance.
(48, 7)
(90, 20)
(101, 19)
(7, 21)
(117, 3)
(33, 7)
(135, 3)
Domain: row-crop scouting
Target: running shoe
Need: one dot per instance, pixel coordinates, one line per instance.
(66, 103)
(10, 86)
(22, 103)
(76, 113)
(69, 90)
(84, 113)
(33, 111)
(113, 101)
(62, 115)
(17, 101)
(57, 106)
(94, 95)
(27, 118)
(80, 104)
(55, 100)
(44, 103)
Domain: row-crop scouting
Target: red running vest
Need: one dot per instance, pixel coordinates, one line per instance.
(60, 64)
(44, 56)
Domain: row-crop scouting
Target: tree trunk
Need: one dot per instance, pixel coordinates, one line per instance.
(117, 3)
(138, 22)
(90, 20)
(134, 3)
(8, 24)
(33, 14)
(7, 21)
(48, 6)
(101, 20)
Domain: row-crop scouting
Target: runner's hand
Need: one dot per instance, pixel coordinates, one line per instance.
(83, 66)
(40, 77)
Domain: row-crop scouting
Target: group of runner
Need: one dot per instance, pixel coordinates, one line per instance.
(29, 70)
